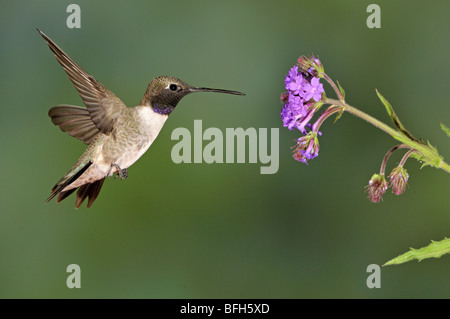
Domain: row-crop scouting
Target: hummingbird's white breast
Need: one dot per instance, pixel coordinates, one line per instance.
(146, 125)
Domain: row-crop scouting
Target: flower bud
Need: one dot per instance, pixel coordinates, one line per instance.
(311, 65)
(307, 148)
(399, 180)
(376, 188)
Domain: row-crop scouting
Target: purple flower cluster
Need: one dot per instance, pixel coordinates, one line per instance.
(303, 91)
(303, 97)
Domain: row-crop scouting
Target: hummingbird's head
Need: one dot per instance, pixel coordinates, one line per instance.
(164, 93)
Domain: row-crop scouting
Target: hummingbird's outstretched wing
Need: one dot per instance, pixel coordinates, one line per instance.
(74, 120)
(103, 106)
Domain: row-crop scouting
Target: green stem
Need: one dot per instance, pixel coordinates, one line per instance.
(330, 111)
(388, 154)
(444, 166)
(382, 126)
(335, 88)
(405, 157)
(424, 149)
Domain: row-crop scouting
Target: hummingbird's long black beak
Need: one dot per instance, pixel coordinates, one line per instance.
(215, 90)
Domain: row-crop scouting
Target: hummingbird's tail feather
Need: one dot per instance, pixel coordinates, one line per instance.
(90, 190)
(66, 181)
(62, 195)
(74, 120)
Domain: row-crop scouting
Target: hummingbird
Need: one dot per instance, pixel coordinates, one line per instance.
(116, 135)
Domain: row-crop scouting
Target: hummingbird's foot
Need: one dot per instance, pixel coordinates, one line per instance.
(122, 173)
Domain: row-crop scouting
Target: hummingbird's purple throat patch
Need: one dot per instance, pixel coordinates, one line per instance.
(162, 109)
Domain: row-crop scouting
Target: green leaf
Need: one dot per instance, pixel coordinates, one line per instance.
(341, 90)
(338, 116)
(445, 129)
(436, 249)
(394, 117)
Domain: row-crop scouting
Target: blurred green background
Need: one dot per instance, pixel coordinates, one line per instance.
(224, 230)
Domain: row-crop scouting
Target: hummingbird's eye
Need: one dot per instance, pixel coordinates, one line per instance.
(173, 87)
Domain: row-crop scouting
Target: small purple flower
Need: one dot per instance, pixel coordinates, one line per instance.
(293, 72)
(296, 85)
(303, 122)
(287, 117)
(289, 114)
(295, 100)
(313, 90)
